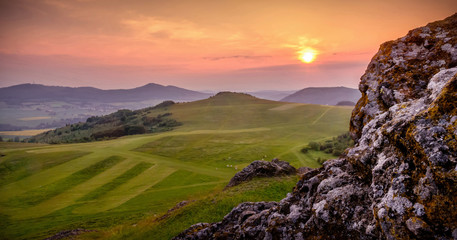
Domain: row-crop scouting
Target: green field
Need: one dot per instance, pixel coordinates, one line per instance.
(98, 185)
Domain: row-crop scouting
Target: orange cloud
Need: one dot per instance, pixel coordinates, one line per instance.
(146, 28)
(206, 39)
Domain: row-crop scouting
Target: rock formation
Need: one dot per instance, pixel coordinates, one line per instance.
(262, 169)
(400, 179)
(68, 234)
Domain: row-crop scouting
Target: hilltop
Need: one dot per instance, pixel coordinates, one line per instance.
(232, 98)
(323, 95)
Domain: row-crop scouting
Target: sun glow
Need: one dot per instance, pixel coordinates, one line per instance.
(307, 55)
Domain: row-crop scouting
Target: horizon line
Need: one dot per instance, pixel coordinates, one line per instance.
(200, 90)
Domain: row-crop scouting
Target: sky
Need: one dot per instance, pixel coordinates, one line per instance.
(236, 45)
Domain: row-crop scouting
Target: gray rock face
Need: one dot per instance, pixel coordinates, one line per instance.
(262, 169)
(399, 181)
(68, 234)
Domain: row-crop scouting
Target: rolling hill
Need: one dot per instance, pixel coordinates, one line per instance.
(45, 189)
(121, 123)
(324, 95)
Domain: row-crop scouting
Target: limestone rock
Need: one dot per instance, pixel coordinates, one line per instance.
(262, 168)
(399, 181)
(68, 234)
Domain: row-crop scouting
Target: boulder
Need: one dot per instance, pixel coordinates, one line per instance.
(262, 168)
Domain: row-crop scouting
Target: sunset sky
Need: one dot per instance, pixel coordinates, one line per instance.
(238, 45)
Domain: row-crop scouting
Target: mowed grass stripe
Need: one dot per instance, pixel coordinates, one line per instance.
(157, 202)
(70, 196)
(21, 165)
(38, 195)
(126, 191)
(49, 176)
(129, 174)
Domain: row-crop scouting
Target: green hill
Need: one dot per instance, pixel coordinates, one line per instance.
(121, 123)
(45, 189)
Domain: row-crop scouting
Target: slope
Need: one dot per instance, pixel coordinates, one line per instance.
(121, 123)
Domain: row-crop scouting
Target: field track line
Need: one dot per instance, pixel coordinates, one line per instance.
(286, 106)
(177, 164)
(303, 163)
(188, 186)
(319, 118)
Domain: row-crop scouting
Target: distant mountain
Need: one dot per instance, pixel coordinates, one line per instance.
(41, 93)
(324, 95)
(271, 94)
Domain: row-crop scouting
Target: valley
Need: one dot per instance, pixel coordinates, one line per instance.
(45, 189)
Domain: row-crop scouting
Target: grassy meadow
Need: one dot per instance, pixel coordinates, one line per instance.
(114, 185)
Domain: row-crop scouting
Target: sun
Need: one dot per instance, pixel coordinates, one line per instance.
(307, 55)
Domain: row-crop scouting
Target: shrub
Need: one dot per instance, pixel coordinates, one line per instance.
(337, 152)
(336, 146)
(321, 160)
(132, 130)
(314, 145)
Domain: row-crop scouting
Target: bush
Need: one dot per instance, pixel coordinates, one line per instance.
(321, 160)
(327, 145)
(164, 104)
(132, 130)
(314, 145)
(336, 146)
(118, 132)
(337, 152)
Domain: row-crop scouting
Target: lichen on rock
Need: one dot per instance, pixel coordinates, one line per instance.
(261, 168)
(399, 181)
